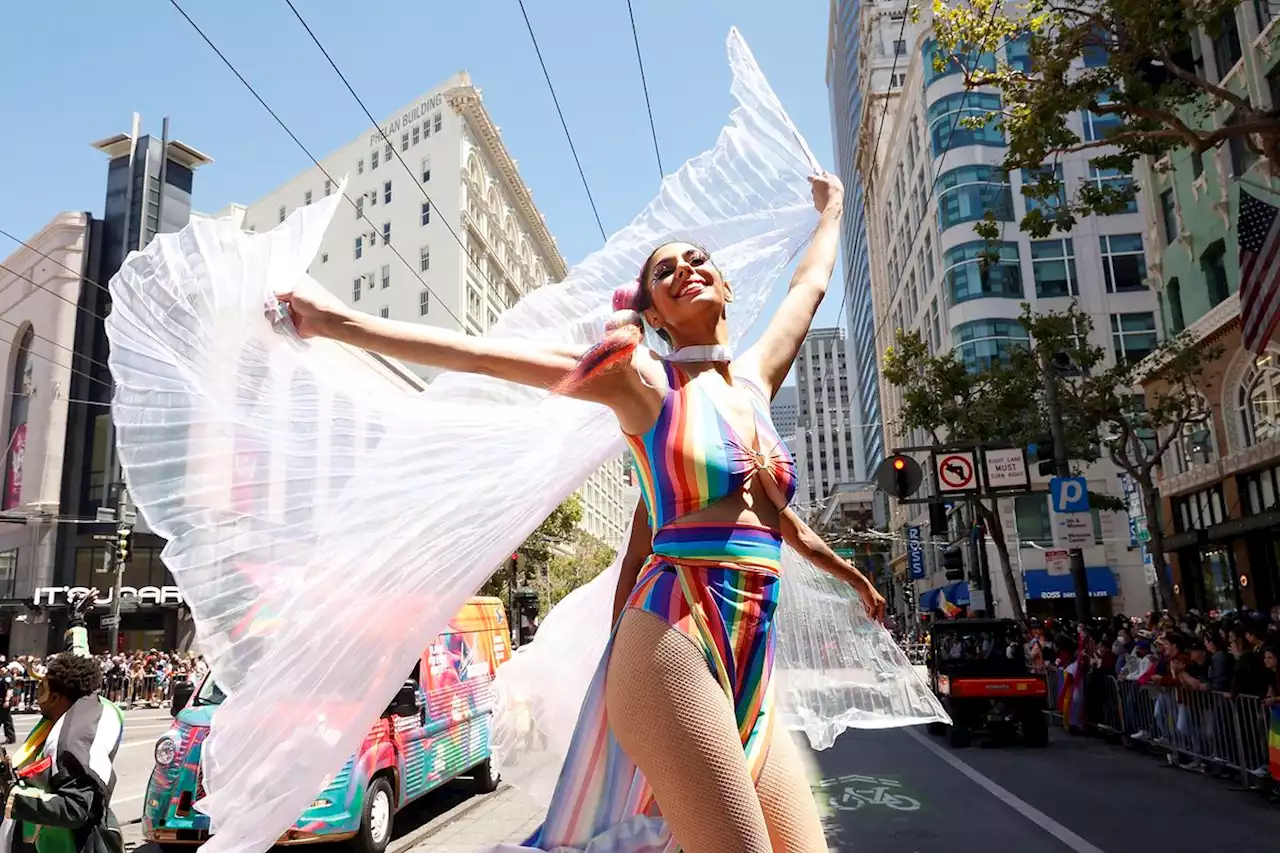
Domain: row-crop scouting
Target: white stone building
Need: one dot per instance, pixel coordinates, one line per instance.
(391, 252)
(826, 453)
(926, 275)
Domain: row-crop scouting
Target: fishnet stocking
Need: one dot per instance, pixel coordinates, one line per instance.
(789, 809)
(674, 721)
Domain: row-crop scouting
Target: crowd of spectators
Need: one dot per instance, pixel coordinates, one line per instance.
(131, 679)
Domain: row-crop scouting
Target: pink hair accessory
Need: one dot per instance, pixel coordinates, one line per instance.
(626, 296)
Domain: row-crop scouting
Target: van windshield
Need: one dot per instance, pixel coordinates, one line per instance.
(209, 693)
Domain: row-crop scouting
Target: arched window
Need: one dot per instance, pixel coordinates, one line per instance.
(1258, 399)
(19, 408)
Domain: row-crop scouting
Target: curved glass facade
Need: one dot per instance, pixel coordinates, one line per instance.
(967, 193)
(950, 64)
(946, 115)
(982, 342)
(966, 279)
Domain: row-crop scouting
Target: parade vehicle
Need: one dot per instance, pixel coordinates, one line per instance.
(979, 671)
(436, 729)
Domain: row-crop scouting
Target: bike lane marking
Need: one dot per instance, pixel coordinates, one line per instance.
(1022, 807)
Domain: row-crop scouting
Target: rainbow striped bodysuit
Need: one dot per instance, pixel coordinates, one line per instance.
(716, 583)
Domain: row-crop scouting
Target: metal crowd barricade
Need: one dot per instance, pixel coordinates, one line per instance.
(1196, 730)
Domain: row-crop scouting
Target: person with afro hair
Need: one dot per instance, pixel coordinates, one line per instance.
(57, 788)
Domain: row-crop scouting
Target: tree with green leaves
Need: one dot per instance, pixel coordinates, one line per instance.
(950, 402)
(1136, 430)
(584, 559)
(536, 552)
(1144, 81)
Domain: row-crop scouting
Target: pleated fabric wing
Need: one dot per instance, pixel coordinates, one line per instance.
(324, 524)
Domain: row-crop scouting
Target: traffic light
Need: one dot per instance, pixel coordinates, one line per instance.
(938, 518)
(1042, 450)
(900, 476)
(953, 563)
(124, 536)
(909, 596)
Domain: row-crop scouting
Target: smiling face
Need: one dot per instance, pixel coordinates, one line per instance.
(687, 294)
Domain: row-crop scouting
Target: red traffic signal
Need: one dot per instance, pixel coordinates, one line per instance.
(900, 476)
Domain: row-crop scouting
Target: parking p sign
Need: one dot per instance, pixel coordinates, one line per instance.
(1069, 494)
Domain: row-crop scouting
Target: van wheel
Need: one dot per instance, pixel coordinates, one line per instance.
(375, 820)
(485, 777)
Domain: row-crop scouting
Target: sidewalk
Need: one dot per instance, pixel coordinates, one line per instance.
(507, 815)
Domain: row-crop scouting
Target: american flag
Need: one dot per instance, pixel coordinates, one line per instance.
(1259, 271)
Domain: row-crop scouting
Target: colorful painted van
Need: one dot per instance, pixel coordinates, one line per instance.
(435, 730)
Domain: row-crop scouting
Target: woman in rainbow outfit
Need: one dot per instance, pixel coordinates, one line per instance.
(692, 652)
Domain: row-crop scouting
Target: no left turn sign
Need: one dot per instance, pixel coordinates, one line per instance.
(955, 471)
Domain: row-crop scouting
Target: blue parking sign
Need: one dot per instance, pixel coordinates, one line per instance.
(1069, 494)
(915, 553)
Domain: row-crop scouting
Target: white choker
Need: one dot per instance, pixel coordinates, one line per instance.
(702, 352)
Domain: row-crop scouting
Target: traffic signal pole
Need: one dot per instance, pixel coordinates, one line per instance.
(1079, 577)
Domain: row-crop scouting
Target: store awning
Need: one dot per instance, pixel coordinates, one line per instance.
(1042, 586)
(952, 595)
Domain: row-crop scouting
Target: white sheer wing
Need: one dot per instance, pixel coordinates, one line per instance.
(323, 523)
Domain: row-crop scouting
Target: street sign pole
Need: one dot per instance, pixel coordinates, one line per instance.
(1078, 575)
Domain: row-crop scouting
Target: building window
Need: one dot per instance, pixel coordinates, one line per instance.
(306, 197)
(426, 169)
(1031, 517)
(356, 288)
(935, 339)
(1124, 264)
(1264, 13)
(1133, 335)
(359, 248)
(426, 213)
(386, 276)
(1169, 216)
(424, 259)
(373, 198)
(935, 57)
(360, 207)
(384, 312)
(946, 119)
(1213, 264)
(1098, 126)
(386, 233)
(1053, 265)
(899, 47)
(328, 188)
(1242, 156)
(967, 193)
(1019, 54)
(971, 275)
(19, 407)
(426, 129)
(1259, 400)
(404, 141)
(1096, 49)
(1115, 181)
(388, 152)
(360, 166)
(439, 122)
(8, 572)
(981, 343)
(926, 256)
(324, 257)
(386, 192)
(1226, 44)
(1173, 301)
(424, 302)
(1031, 181)
(417, 135)
(373, 159)
(282, 213)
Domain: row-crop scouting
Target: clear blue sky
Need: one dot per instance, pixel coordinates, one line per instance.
(83, 74)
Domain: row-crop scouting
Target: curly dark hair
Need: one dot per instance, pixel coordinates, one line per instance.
(73, 676)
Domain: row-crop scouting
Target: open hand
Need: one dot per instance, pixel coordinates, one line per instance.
(313, 310)
(827, 190)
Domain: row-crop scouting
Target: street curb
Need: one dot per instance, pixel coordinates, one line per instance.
(400, 845)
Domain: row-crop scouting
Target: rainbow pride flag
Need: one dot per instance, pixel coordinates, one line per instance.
(1273, 745)
(946, 606)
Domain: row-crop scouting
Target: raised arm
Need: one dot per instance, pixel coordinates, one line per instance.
(770, 359)
(809, 544)
(317, 313)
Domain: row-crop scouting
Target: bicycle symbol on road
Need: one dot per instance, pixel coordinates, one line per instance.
(859, 791)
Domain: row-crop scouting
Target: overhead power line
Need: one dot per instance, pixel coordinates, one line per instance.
(653, 128)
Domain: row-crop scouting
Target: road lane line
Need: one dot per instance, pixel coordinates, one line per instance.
(1022, 807)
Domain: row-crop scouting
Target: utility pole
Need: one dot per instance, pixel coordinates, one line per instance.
(119, 553)
(1079, 577)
